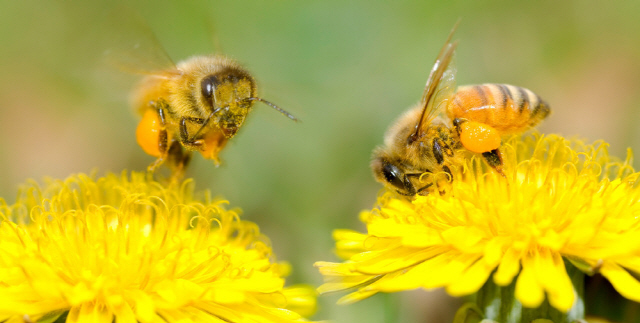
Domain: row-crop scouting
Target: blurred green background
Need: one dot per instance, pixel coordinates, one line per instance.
(346, 68)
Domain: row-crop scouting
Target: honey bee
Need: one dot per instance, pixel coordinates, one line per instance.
(476, 117)
(197, 106)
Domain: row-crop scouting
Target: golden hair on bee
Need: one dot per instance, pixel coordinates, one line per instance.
(196, 105)
(426, 141)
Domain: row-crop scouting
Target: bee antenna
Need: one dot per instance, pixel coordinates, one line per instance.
(285, 113)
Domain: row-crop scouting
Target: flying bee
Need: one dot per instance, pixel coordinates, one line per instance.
(423, 144)
(197, 106)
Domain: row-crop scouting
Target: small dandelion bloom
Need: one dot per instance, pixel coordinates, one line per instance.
(128, 249)
(561, 203)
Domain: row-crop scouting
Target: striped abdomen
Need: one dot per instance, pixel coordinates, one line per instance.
(508, 108)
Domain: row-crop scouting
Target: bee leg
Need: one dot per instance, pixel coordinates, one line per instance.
(410, 188)
(440, 184)
(441, 150)
(209, 143)
(424, 190)
(178, 159)
(444, 183)
(457, 122)
(476, 136)
(438, 150)
(185, 138)
(162, 142)
(494, 159)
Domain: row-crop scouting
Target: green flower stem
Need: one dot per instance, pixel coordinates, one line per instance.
(498, 303)
(392, 310)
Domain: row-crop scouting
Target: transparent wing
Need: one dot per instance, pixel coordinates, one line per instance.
(445, 90)
(131, 44)
(440, 86)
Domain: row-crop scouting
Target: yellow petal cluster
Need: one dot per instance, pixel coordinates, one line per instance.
(560, 201)
(125, 248)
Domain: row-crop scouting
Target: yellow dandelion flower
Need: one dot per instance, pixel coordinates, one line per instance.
(125, 248)
(562, 204)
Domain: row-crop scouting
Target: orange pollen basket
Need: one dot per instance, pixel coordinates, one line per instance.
(479, 137)
(148, 133)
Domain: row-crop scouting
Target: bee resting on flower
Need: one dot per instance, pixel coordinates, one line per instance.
(561, 203)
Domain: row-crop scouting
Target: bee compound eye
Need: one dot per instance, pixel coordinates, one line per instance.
(393, 175)
(208, 87)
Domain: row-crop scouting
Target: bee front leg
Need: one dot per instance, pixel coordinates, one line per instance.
(209, 143)
(186, 139)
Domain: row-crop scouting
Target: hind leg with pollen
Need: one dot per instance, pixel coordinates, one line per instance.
(152, 136)
(482, 139)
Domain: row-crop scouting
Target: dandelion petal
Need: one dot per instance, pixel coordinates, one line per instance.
(624, 283)
(528, 290)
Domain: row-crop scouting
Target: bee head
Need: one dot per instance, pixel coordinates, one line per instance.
(227, 96)
(392, 175)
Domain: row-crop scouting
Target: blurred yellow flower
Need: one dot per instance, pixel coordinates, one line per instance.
(127, 248)
(561, 201)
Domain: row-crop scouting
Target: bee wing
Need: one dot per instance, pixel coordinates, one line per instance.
(445, 89)
(440, 86)
(132, 45)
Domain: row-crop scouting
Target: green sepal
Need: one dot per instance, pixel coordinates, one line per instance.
(498, 304)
